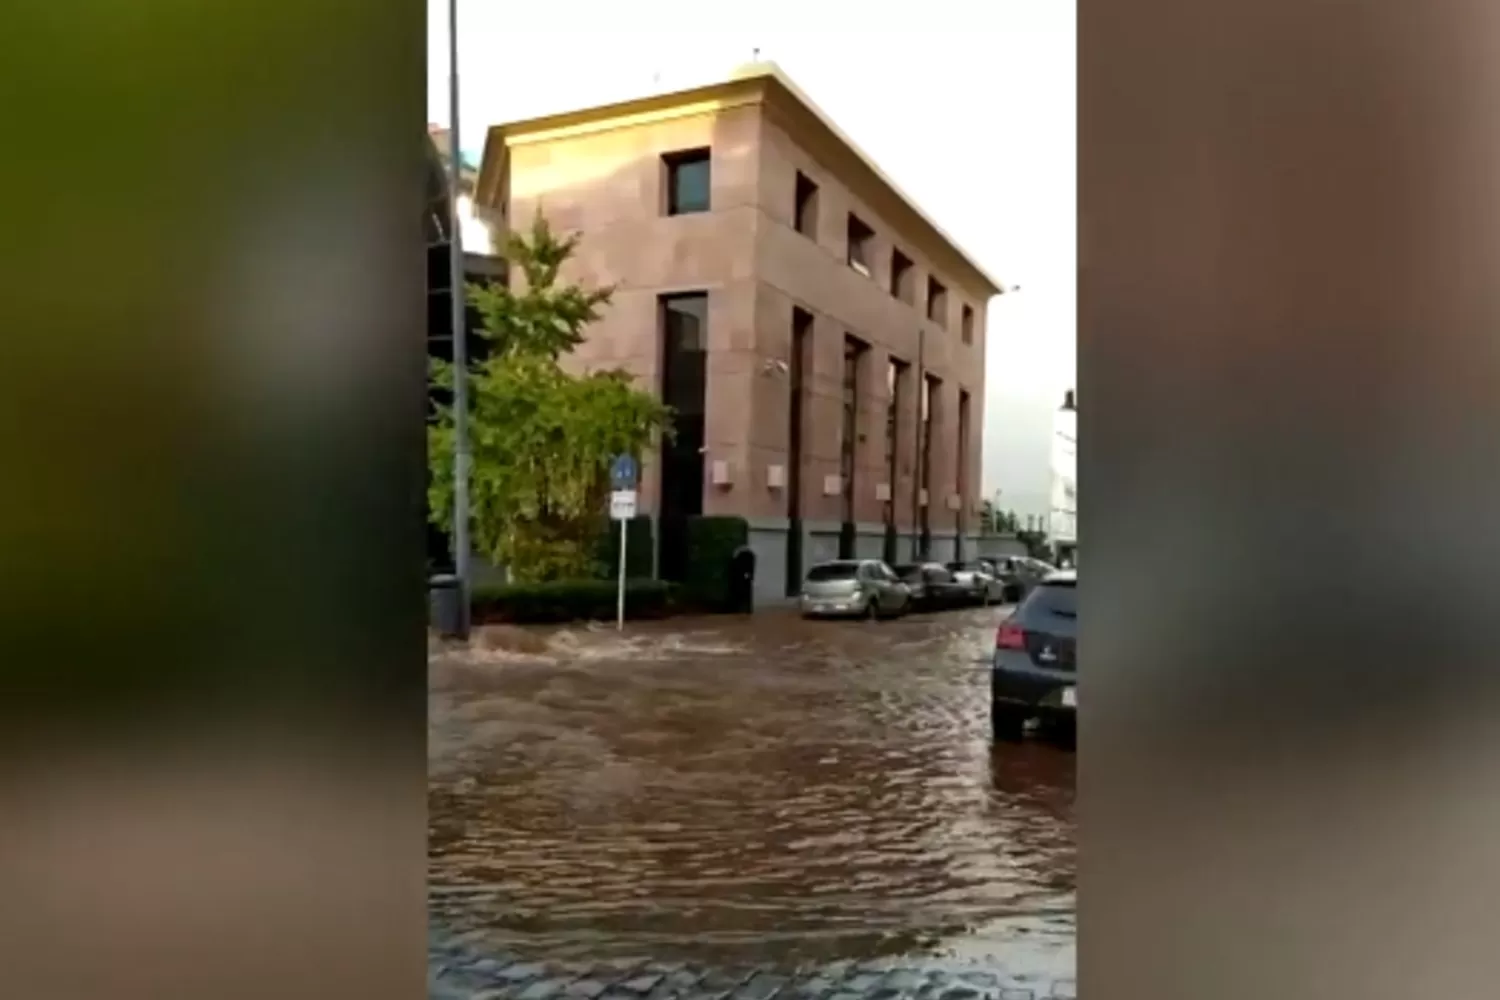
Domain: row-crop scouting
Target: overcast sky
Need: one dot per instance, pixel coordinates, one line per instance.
(967, 104)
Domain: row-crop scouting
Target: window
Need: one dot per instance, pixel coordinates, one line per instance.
(854, 355)
(806, 216)
(897, 374)
(684, 323)
(802, 326)
(860, 238)
(961, 482)
(683, 319)
(937, 302)
(901, 274)
(827, 572)
(688, 181)
(968, 323)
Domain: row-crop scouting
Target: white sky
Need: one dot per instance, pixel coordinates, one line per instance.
(969, 105)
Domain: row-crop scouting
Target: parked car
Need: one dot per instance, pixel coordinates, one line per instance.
(916, 584)
(1019, 575)
(1034, 673)
(934, 588)
(853, 588)
(981, 576)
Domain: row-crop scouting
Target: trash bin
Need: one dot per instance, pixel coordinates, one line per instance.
(448, 611)
(742, 580)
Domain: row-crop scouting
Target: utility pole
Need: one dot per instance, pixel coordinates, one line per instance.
(461, 545)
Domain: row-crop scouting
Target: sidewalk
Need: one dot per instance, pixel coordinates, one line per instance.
(454, 973)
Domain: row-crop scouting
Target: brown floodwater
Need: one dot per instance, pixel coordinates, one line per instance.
(747, 790)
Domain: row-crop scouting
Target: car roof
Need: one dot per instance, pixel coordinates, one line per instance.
(1061, 576)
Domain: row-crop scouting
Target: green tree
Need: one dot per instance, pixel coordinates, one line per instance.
(541, 437)
(989, 522)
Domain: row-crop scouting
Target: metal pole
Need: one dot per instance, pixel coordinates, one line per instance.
(460, 335)
(916, 472)
(620, 600)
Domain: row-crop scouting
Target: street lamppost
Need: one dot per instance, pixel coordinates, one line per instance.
(461, 568)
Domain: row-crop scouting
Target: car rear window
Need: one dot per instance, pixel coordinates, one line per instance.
(1059, 597)
(832, 571)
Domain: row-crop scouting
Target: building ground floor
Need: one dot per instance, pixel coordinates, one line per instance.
(782, 555)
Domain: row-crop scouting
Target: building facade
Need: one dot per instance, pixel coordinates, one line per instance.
(820, 339)
(1062, 518)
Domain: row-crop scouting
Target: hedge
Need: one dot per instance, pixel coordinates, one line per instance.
(571, 600)
(711, 544)
(640, 548)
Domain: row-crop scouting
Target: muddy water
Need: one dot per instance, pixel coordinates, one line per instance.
(747, 790)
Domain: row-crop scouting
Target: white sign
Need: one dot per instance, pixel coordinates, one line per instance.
(622, 505)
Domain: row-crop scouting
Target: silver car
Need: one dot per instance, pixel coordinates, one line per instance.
(981, 577)
(853, 588)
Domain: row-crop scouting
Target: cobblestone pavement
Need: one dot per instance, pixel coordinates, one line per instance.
(455, 973)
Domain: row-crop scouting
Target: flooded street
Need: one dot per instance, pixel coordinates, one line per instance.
(739, 791)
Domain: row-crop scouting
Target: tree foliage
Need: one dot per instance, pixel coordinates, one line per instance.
(995, 521)
(541, 438)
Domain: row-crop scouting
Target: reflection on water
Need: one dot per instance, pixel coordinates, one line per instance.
(741, 790)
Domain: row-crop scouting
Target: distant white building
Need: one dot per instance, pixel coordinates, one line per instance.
(1062, 517)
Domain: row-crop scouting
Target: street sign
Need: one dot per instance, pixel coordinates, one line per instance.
(623, 473)
(622, 504)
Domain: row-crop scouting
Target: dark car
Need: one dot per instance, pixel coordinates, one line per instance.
(1034, 674)
(853, 588)
(942, 590)
(932, 587)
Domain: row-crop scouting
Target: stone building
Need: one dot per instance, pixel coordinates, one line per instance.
(821, 339)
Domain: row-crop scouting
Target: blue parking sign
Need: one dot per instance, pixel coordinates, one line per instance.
(623, 472)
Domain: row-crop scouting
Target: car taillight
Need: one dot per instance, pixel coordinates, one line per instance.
(1010, 636)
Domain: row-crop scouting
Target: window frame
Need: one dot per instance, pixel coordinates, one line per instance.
(672, 165)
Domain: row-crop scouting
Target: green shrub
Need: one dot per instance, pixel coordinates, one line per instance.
(571, 600)
(711, 544)
(640, 549)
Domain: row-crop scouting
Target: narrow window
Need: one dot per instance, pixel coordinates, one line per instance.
(807, 207)
(860, 238)
(901, 272)
(689, 179)
(968, 323)
(937, 302)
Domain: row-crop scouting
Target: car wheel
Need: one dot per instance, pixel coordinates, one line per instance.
(1007, 722)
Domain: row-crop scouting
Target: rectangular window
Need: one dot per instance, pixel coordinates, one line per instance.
(683, 322)
(931, 386)
(807, 207)
(800, 363)
(854, 352)
(897, 374)
(688, 181)
(968, 323)
(937, 302)
(802, 326)
(861, 237)
(961, 478)
(901, 275)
